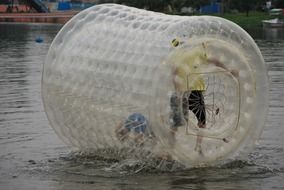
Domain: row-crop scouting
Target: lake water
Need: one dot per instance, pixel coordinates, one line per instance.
(33, 157)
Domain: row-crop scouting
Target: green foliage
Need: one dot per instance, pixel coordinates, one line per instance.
(244, 5)
(190, 3)
(279, 3)
(149, 4)
(160, 5)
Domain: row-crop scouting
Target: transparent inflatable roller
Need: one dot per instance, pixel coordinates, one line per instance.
(112, 65)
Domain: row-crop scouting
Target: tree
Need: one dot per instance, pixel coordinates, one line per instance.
(246, 5)
(156, 5)
(160, 5)
(190, 3)
(279, 4)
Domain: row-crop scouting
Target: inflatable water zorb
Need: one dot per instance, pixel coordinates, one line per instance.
(118, 77)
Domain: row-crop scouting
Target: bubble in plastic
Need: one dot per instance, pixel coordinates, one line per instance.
(195, 88)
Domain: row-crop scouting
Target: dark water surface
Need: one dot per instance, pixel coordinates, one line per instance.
(32, 156)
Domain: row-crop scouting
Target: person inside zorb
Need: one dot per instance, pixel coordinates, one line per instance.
(136, 127)
(189, 88)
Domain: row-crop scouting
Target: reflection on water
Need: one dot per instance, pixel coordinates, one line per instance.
(271, 34)
(32, 156)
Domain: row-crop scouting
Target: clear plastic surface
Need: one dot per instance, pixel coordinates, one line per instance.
(113, 64)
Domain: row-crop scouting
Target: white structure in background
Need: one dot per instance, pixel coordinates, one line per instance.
(187, 10)
(268, 5)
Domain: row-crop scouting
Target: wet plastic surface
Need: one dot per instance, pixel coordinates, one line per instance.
(111, 61)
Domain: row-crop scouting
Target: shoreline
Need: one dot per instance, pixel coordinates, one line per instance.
(253, 20)
(54, 17)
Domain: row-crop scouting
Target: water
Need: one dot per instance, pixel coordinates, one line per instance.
(32, 156)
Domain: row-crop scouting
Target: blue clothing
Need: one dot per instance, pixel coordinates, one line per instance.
(136, 122)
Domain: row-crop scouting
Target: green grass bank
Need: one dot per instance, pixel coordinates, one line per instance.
(254, 19)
